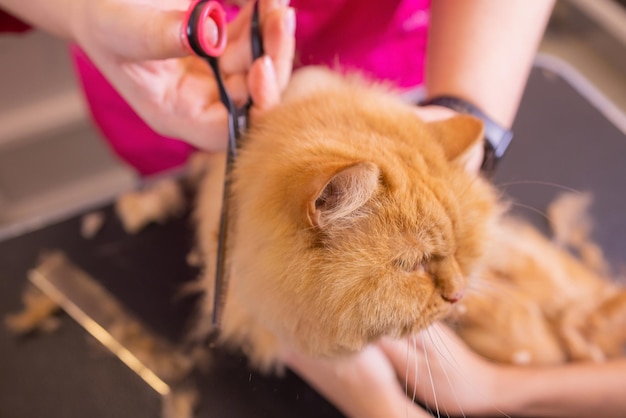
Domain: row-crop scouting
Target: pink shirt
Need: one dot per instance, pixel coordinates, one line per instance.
(384, 39)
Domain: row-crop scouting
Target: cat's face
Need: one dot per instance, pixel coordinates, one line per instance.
(355, 220)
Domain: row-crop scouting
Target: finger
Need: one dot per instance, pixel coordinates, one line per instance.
(237, 88)
(241, 23)
(403, 355)
(279, 43)
(278, 28)
(136, 31)
(267, 6)
(238, 53)
(240, 26)
(210, 131)
(359, 385)
(144, 31)
(237, 56)
(263, 86)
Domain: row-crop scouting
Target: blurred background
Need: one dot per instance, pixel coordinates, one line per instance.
(52, 160)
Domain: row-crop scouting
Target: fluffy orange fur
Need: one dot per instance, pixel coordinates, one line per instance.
(536, 304)
(351, 219)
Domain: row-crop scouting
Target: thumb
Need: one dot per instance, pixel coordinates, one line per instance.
(146, 31)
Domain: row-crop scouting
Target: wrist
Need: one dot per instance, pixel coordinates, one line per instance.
(510, 389)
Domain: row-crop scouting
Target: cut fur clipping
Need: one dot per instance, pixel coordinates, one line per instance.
(158, 202)
(180, 403)
(572, 226)
(91, 224)
(37, 314)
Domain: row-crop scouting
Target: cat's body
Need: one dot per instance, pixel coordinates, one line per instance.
(539, 305)
(352, 219)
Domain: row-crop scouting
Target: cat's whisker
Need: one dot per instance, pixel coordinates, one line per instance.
(490, 291)
(406, 376)
(470, 185)
(449, 359)
(430, 376)
(531, 208)
(538, 183)
(426, 405)
(484, 286)
(416, 374)
(459, 369)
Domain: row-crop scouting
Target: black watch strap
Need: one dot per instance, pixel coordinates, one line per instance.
(497, 138)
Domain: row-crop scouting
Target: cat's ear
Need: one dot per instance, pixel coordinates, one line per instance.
(458, 135)
(345, 192)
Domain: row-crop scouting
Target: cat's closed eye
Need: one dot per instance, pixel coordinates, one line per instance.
(410, 266)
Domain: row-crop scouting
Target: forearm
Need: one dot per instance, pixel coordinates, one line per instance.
(53, 16)
(574, 390)
(482, 51)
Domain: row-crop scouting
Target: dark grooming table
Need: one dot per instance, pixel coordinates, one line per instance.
(561, 138)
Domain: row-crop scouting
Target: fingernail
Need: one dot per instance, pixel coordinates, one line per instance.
(284, 3)
(290, 21)
(211, 33)
(269, 67)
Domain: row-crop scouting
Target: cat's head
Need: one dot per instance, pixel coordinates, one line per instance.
(355, 219)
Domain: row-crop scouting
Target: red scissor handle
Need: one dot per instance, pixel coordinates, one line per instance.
(193, 28)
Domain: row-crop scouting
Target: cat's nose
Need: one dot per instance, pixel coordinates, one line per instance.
(450, 280)
(452, 297)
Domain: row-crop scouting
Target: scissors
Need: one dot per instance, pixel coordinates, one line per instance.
(193, 36)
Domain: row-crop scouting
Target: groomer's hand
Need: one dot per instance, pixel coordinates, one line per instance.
(138, 46)
(444, 373)
(361, 385)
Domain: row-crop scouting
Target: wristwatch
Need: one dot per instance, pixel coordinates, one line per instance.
(497, 138)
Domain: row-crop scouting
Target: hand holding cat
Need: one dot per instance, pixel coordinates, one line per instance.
(362, 385)
(438, 370)
(447, 376)
(444, 373)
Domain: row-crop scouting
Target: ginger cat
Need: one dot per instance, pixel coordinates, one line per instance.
(352, 219)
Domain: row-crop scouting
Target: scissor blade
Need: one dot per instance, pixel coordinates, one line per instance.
(238, 123)
(221, 264)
